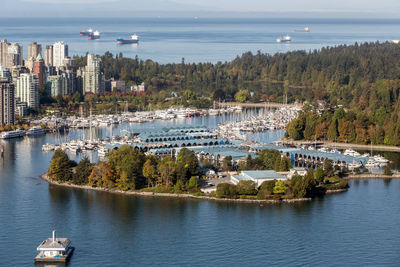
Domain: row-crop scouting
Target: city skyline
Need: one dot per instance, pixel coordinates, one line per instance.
(205, 8)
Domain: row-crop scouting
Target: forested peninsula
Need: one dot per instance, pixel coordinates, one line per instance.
(357, 85)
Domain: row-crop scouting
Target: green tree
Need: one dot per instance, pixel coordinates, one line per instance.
(280, 187)
(298, 186)
(242, 96)
(167, 170)
(328, 168)
(193, 183)
(187, 165)
(82, 171)
(179, 187)
(319, 175)
(129, 160)
(60, 167)
(150, 170)
(227, 163)
(246, 188)
(309, 183)
(285, 164)
(333, 131)
(225, 190)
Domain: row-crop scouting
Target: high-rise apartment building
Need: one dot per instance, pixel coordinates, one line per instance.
(93, 78)
(14, 55)
(34, 49)
(28, 90)
(48, 56)
(3, 52)
(60, 51)
(38, 70)
(5, 73)
(7, 102)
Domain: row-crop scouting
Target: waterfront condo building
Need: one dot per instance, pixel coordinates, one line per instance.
(7, 102)
(93, 78)
(48, 55)
(28, 90)
(60, 51)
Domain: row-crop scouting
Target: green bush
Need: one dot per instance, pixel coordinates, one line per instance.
(225, 190)
(246, 188)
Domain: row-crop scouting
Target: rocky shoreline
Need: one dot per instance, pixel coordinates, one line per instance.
(172, 195)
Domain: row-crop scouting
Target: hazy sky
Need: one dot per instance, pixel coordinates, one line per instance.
(205, 8)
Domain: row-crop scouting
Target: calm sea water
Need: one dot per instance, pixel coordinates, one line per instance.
(196, 40)
(356, 228)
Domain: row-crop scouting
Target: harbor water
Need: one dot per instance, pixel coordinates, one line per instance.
(356, 228)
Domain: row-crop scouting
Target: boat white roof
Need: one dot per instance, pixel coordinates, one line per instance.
(59, 244)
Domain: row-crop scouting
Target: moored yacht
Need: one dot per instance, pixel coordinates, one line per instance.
(12, 134)
(35, 130)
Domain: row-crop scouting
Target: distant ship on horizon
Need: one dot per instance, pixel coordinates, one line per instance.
(284, 39)
(86, 32)
(306, 29)
(94, 36)
(134, 39)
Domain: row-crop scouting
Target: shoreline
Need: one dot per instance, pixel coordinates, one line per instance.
(342, 145)
(173, 195)
(371, 176)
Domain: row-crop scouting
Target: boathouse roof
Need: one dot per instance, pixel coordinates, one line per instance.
(58, 244)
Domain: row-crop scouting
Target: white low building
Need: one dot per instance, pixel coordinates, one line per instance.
(54, 248)
(257, 176)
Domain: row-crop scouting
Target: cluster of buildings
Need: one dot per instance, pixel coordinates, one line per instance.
(21, 80)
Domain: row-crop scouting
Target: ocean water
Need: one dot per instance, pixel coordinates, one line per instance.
(196, 40)
(356, 228)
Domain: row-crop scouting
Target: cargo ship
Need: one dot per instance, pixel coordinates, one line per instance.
(87, 32)
(133, 40)
(94, 36)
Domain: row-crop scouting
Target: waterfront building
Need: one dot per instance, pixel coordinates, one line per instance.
(5, 73)
(28, 90)
(258, 177)
(48, 55)
(38, 70)
(93, 78)
(7, 102)
(21, 108)
(60, 51)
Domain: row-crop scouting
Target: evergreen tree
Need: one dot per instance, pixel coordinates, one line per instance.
(60, 167)
(82, 171)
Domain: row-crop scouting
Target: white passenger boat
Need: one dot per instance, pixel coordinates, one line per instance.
(12, 134)
(36, 130)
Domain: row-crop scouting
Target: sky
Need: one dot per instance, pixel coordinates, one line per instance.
(201, 8)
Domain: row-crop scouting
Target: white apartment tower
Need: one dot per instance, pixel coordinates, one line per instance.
(28, 90)
(60, 51)
(93, 79)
